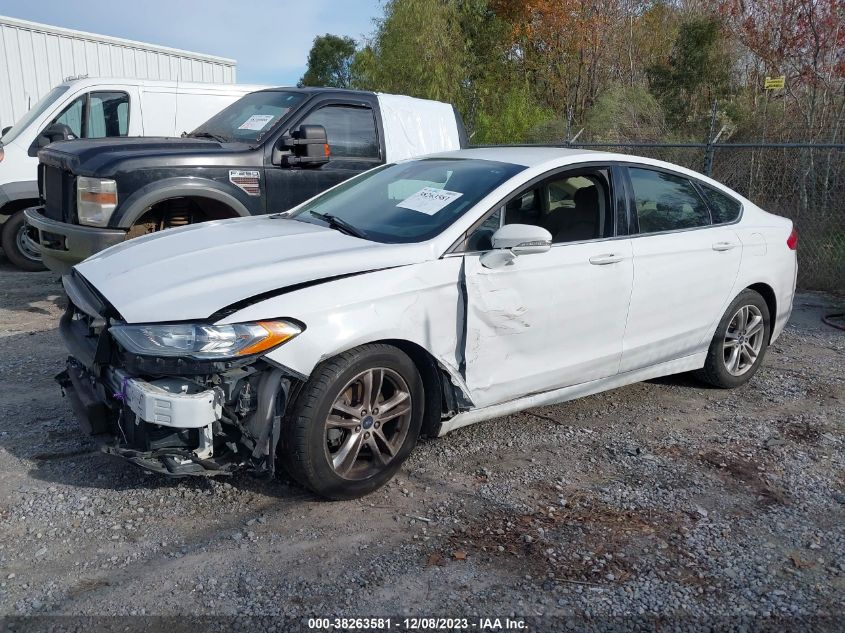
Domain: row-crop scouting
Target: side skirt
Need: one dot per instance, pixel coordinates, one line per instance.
(677, 366)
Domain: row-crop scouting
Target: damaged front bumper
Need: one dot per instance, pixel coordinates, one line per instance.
(172, 426)
(171, 417)
(157, 421)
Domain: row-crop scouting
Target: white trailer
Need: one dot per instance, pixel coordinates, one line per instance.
(35, 57)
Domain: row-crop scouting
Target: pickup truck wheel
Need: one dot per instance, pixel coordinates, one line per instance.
(355, 422)
(18, 247)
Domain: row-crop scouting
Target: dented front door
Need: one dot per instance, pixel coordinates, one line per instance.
(547, 320)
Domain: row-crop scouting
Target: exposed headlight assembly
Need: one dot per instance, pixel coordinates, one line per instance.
(96, 200)
(202, 341)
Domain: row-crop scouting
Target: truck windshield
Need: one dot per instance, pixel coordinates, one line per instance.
(407, 202)
(34, 112)
(250, 117)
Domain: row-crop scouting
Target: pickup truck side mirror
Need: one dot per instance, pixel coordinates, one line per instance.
(51, 134)
(306, 147)
(513, 240)
(5, 129)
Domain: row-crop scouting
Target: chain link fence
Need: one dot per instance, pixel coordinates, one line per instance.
(803, 182)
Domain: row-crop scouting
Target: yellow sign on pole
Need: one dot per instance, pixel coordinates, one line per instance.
(775, 83)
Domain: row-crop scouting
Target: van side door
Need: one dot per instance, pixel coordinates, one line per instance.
(354, 133)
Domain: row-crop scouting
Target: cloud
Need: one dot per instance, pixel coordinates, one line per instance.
(270, 39)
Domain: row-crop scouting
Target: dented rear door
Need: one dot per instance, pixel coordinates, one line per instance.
(547, 321)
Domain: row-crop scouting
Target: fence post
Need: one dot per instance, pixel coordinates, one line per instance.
(709, 150)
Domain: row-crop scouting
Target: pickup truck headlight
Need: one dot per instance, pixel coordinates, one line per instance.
(202, 341)
(96, 199)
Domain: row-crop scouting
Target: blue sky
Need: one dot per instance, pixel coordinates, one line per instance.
(270, 39)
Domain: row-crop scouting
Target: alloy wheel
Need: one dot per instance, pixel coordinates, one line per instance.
(368, 423)
(743, 340)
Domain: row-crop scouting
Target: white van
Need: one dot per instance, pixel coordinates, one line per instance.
(93, 108)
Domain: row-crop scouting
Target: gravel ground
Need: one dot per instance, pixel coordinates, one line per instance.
(662, 499)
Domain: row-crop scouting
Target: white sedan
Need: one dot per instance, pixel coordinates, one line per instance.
(417, 298)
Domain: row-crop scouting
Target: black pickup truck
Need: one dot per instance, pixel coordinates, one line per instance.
(265, 153)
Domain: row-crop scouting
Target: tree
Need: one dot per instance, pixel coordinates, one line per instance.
(511, 118)
(697, 72)
(329, 62)
(418, 50)
(625, 113)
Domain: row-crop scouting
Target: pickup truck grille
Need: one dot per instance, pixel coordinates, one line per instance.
(57, 192)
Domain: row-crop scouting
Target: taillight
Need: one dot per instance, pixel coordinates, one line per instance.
(2, 154)
(792, 240)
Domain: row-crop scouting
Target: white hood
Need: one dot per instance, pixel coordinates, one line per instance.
(192, 272)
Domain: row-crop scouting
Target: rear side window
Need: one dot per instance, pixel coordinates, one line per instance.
(351, 131)
(666, 202)
(723, 207)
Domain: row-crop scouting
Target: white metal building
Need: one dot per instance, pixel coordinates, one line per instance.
(35, 57)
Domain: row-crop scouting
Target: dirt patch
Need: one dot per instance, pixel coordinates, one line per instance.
(748, 471)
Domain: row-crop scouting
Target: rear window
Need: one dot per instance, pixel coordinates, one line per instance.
(723, 207)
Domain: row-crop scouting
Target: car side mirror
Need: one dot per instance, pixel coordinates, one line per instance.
(5, 129)
(513, 240)
(306, 147)
(51, 134)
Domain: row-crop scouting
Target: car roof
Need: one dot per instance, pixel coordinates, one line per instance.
(525, 155)
(550, 156)
(318, 90)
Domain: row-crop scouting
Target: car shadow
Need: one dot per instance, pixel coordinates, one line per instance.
(687, 380)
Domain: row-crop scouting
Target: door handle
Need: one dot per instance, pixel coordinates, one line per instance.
(724, 246)
(608, 258)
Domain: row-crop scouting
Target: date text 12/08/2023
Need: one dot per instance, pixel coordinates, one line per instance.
(417, 624)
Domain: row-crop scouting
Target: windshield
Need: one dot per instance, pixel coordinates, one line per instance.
(34, 112)
(408, 202)
(250, 117)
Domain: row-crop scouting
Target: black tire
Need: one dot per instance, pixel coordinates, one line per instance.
(715, 370)
(14, 225)
(304, 442)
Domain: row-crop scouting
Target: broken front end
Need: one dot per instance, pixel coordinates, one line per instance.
(176, 399)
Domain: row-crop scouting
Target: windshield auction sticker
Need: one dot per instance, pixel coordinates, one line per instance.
(256, 122)
(429, 200)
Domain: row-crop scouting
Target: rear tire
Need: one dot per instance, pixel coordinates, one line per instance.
(740, 342)
(355, 422)
(14, 240)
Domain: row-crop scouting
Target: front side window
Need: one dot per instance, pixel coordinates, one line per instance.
(105, 114)
(723, 207)
(351, 131)
(251, 117)
(410, 201)
(108, 115)
(666, 202)
(72, 116)
(573, 207)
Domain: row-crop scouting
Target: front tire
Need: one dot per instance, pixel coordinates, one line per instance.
(17, 246)
(740, 342)
(355, 422)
